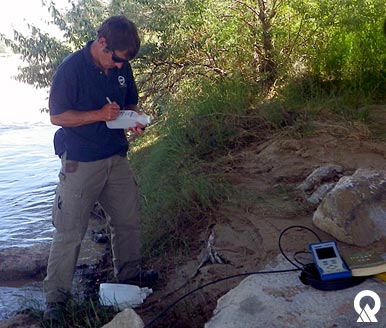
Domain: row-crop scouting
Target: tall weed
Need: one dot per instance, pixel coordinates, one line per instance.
(176, 162)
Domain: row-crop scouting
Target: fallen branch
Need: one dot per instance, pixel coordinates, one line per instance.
(211, 255)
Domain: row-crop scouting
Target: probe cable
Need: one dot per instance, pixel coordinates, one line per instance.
(295, 227)
(212, 283)
(238, 275)
(311, 276)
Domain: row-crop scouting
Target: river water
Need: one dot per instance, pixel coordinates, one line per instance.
(28, 175)
(28, 166)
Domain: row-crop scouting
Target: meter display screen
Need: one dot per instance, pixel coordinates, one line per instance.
(328, 262)
(325, 253)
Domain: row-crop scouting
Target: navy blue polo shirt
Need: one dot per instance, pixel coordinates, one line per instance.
(80, 85)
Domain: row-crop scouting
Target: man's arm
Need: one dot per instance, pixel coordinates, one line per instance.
(74, 118)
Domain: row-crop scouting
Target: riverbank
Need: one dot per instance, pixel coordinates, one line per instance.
(247, 226)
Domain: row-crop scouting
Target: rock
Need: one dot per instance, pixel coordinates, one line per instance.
(21, 321)
(21, 263)
(31, 262)
(319, 175)
(318, 195)
(354, 211)
(280, 300)
(126, 319)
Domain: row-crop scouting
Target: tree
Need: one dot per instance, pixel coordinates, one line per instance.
(185, 41)
(44, 53)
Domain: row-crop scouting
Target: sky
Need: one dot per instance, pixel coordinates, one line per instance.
(17, 13)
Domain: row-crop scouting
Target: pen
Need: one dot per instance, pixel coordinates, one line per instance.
(108, 100)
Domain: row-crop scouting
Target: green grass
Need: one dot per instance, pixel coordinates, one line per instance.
(78, 313)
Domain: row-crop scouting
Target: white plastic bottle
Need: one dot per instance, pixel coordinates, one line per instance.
(122, 296)
(128, 119)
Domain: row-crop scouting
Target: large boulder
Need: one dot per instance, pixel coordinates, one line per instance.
(354, 211)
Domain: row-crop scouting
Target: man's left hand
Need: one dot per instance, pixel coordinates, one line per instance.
(139, 129)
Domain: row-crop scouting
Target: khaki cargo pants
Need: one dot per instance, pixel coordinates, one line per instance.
(111, 182)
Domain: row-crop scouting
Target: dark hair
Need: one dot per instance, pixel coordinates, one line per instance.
(120, 34)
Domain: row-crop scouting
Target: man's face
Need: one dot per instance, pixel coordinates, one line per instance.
(111, 58)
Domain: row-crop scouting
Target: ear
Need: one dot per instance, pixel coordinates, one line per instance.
(102, 42)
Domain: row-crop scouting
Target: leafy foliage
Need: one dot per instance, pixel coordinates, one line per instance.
(353, 51)
(264, 41)
(42, 52)
(80, 23)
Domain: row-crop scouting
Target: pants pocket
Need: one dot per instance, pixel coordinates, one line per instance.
(67, 208)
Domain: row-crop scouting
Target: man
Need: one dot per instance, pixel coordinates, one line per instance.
(88, 89)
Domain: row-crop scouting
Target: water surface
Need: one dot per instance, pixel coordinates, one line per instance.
(28, 166)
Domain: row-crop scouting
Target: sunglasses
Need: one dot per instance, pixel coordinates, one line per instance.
(115, 58)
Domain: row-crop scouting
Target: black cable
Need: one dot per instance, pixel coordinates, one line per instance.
(237, 275)
(301, 252)
(309, 276)
(211, 283)
(294, 227)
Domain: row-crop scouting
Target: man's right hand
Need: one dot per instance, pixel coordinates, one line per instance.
(110, 112)
(73, 118)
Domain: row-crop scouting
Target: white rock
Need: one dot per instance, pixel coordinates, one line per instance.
(319, 175)
(126, 319)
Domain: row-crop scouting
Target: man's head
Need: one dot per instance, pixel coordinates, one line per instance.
(121, 35)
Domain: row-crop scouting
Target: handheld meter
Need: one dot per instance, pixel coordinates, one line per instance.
(328, 261)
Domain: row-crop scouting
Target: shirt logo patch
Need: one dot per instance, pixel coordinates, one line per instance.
(122, 81)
